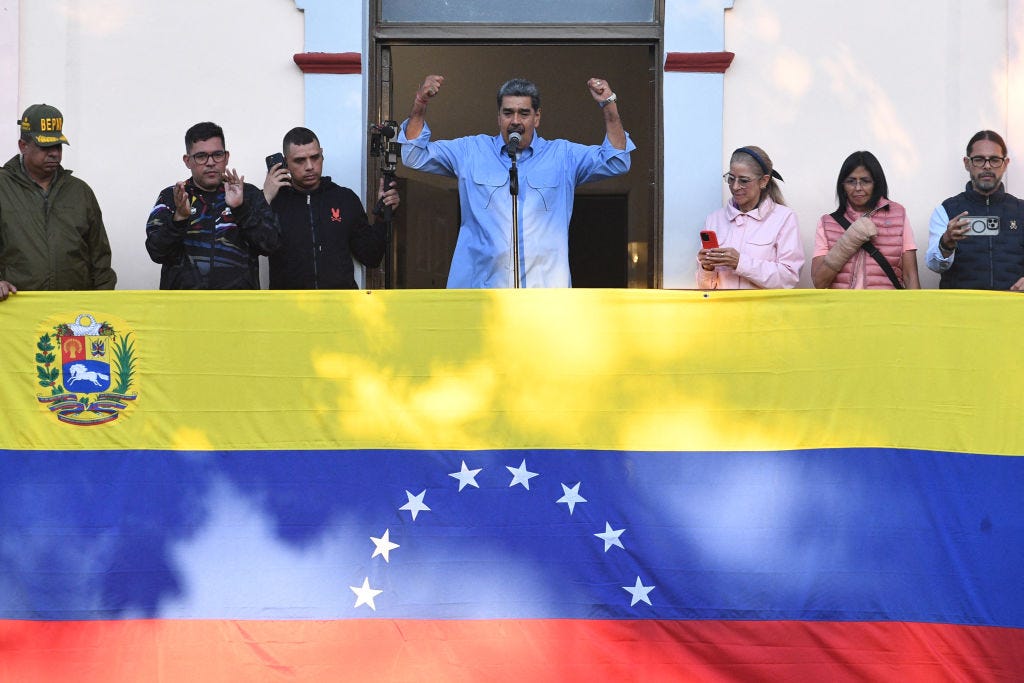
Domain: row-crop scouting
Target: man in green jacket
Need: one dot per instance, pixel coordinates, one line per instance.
(51, 228)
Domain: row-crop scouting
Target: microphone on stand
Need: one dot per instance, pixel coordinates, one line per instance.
(514, 138)
(513, 144)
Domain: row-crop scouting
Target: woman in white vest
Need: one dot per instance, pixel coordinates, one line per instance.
(867, 243)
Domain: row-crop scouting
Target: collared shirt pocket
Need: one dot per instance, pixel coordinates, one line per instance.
(488, 181)
(761, 243)
(545, 185)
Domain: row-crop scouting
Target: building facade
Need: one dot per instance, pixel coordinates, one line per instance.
(697, 78)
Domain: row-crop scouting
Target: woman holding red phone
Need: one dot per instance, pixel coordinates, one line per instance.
(757, 235)
(868, 242)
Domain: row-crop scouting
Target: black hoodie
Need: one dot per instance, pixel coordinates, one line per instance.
(320, 233)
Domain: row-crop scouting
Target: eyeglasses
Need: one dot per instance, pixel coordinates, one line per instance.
(203, 157)
(858, 182)
(742, 181)
(994, 162)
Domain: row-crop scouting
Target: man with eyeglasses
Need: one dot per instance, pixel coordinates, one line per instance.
(976, 239)
(52, 235)
(208, 231)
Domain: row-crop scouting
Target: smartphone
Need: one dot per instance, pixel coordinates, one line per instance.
(986, 226)
(708, 239)
(275, 158)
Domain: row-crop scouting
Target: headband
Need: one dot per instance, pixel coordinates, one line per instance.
(760, 162)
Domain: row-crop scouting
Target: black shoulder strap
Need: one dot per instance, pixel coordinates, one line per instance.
(872, 250)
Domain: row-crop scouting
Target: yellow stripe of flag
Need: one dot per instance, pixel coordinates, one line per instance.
(590, 369)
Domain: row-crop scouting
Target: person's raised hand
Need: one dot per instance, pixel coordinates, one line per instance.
(277, 177)
(431, 86)
(234, 188)
(600, 89)
(182, 202)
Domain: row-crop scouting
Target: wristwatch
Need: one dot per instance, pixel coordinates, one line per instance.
(611, 98)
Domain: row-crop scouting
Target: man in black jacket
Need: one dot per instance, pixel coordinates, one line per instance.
(323, 225)
(208, 232)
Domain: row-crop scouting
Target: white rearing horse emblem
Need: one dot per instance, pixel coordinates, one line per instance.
(78, 372)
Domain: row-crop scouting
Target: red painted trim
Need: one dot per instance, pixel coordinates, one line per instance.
(699, 62)
(329, 62)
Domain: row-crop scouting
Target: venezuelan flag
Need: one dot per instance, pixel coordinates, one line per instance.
(567, 485)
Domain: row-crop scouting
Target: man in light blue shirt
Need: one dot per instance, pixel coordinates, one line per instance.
(548, 173)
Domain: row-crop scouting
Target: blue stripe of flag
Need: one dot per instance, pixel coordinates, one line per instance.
(843, 534)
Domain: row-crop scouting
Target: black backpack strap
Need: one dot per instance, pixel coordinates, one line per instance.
(872, 250)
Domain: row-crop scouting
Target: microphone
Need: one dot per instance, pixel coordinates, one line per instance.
(513, 143)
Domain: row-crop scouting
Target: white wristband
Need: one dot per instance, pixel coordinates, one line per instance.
(611, 98)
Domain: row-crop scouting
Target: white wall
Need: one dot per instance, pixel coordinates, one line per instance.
(910, 81)
(693, 116)
(811, 82)
(130, 76)
(9, 24)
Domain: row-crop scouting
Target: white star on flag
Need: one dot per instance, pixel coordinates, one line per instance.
(384, 545)
(639, 592)
(415, 504)
(466, 476)
(611, 537)
(520, 475)
(365, 594)
(571, 497)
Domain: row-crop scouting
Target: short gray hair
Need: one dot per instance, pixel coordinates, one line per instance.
(519, 87)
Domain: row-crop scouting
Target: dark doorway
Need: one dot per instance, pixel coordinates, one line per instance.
(597, 241)
(426, 241)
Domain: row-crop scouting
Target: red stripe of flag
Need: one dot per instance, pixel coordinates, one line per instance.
(504, 650)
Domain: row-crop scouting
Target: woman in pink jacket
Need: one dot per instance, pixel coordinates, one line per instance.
(758, 236)
(851, 245)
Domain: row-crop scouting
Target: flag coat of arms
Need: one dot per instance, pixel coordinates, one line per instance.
(85, 372)
(489, 486)
(74, 364)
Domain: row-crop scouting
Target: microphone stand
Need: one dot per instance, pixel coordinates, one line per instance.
(513, 188)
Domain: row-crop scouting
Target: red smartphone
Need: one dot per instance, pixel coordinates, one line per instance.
(708, 239)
